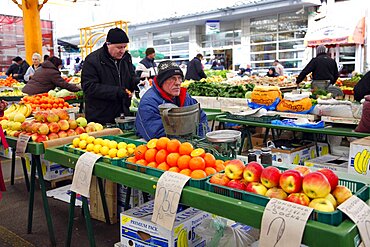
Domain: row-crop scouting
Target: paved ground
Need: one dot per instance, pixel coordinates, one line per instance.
(13, 219)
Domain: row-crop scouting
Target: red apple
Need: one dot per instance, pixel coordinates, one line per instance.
(322, 204)
(315, 185)
(25, 125)
(276, 193)
(341, 194)
(291, 181)
(304, 170)
(270, 177)
(220, 179)
(35, 127)
(40, 116)
(62, 134)
(53, 136)
(17, 133)
(252, 172)
(236, 184)
(72, 124)
(43, 129)
(299, 198)
(62, 114)
(80, 130)
(71, 132)
(256, 188)
(54, 127)
(234, 169)
(34, 136)
(52, 117)
(331, 176)
(41, 138)
(63, 124)
(89, 129)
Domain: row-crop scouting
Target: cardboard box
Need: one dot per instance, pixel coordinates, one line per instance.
(323, 150)
(136, 198)
(6, 153)
(360, 147)
(137, 229)
(296, 156)
(332, 162)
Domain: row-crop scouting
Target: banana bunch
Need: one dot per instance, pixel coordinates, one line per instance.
(361, 161)
(182, 239)
(25, 109)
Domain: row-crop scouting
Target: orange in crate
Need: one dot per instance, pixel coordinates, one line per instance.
(162, 143)
(197, 163)
(186, 172)
(152, 143)
(183, 162)
(174, 169)
(210, 160)
(210, 171)
(140, 152)
(173, 146)
(161, 156)
(185, 148)
(198, 174)
(199, 152)
(172, 159)
(163, 166)
(152, 164)
(131, 159)
(220, 165)
(150, 155)
(142, 162)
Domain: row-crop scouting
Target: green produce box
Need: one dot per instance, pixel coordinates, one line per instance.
(359, 189)
(114, 161)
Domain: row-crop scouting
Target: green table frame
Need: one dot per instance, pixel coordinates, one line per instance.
(316, 233)
(328, 130)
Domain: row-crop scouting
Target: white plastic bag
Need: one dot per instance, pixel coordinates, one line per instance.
(216, 232)
(143, 87)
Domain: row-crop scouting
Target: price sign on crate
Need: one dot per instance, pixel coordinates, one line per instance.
(283, 224)
(167, 198)
(22, 145)
(83, 172)
(359, 212)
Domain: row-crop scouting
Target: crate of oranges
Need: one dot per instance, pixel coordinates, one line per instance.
(163, 154)
(113, 149)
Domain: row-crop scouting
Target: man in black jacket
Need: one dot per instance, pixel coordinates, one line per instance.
(22, 69)
(108, 79)
(323, 68)
(362, 88)
(195, 69)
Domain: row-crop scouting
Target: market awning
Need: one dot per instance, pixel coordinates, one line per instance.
(336, 29)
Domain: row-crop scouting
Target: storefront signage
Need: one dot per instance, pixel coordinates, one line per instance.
(212, 27)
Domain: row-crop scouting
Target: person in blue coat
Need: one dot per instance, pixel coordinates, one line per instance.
(166, 89)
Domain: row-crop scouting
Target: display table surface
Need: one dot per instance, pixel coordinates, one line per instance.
(316, 234)
(328, 130)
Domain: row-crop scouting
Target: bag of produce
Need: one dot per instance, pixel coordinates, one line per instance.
(298, 103)
(266, 97)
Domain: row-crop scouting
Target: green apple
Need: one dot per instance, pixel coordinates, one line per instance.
(322, 204)
(81, 121)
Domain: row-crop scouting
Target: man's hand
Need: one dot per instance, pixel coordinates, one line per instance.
(128, 93)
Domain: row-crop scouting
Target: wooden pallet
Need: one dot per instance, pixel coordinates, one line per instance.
(53, 183)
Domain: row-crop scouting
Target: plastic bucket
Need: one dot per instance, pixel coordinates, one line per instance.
(179, 121)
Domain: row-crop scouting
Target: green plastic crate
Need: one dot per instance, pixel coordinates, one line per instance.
(197, 183)
(114, 161)
(333, 218)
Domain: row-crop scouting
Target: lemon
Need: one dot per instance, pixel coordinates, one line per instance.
(82, 144)
(98, 141)
(131, 145)
(121, 153)
(71, 146)
(97, 148)
(112, 144)
(104, 150)
(107, 156)
(130, 150)
(122, 145)
(105, 142)
(75, 142)
(90, 139)
(90, 147)
(112, 152)
(84, 136)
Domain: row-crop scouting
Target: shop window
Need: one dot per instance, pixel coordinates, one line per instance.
(291, 45)
(263, 38)
(291, 55)
(264, 56)
(264, 47)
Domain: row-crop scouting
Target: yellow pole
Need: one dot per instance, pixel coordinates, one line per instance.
(32, 28)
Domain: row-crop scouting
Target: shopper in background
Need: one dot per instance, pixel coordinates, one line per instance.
(362, 88)
(48, 77)
(195, 69)
(248, 70)
(36, 61)
(147, 68)
(279, 68)
(166, 89)
(272, 72)
(108, 78)
(13, 68)
(324, 69)
(22, 68)
(46, 57)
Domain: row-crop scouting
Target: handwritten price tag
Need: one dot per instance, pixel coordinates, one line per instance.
(22, 145)
(167, 198)
(83, 172)
(283, 224)
(359, 212)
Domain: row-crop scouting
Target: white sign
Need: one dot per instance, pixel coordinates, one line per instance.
(359, 212)
(283, 224)
(212, 27)
(22, 145)
(167, 198)
(83, 172)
